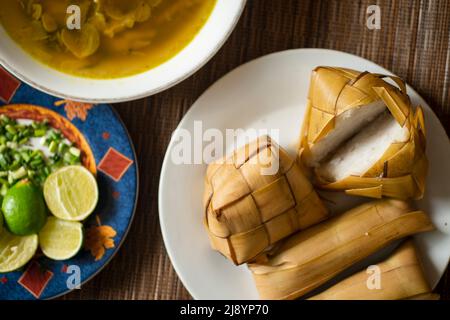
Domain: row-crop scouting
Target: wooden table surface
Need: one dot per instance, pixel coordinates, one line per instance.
(413, 42)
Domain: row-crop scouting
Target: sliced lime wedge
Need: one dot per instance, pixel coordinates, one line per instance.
(71, 193)
(61, 239)
(16, 251)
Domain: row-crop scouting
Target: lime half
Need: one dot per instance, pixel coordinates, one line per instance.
(71, 193)
(16, 251)
(61, 239)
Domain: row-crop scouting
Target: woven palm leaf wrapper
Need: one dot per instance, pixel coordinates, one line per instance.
(400, 277)
(337, 94)
(310, 258)
(256, 197)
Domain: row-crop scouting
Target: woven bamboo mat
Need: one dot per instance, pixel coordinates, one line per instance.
(414, 42)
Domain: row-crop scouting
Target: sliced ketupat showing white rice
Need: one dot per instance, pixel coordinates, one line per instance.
(347, 125)
(358, 154)
(362, 136)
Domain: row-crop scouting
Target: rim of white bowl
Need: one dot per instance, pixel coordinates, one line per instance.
(188, 61)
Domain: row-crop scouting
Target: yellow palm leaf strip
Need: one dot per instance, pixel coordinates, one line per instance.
(419, 175)
(403, 187)
(402, 162)
(397, 103)
(370, 192)
(366, 81)
(242, 155)
(304, 132)
(400, 277)
(378, 169)
(324, 100)
(398, 81)
(419, 120)
(352, 97)
(312, 257)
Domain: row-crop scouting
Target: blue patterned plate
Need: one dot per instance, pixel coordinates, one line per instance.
(106, 229)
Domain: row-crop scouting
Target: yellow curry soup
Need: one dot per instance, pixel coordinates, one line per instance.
(117, 38)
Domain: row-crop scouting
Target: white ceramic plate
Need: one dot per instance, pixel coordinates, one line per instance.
(202, 48)
(270, 93)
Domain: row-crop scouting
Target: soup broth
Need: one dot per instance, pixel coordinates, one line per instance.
(117, 38)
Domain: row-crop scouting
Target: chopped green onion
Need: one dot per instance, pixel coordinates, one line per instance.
(4, 189)
(12, 145)
(75, 152)
(40, 132)
(53, 147)
(20, 173)
(10, 129)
